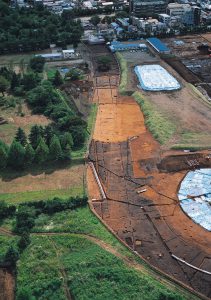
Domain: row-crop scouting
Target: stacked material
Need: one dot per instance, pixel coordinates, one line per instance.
(195, 196)
(155, 78)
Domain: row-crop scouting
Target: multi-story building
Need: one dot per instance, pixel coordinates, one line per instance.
(147, 7)
(164, 18)
(189, 15)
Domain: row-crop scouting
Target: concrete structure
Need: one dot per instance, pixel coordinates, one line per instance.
(118, 46)
(155, 78)
(67, 54)
(189, 15)
(95, 40)
(51, 56)
(164, 18)
(148, 7)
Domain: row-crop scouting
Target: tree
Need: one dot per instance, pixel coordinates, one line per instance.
(41, 96)
(21, 137)
(16, 155)
(41, 152)
(3, 154)
(4, 84)
(11, 256)
(3, 158)
(79, 135)
(29, 155)
(30, 80)
(73, 74)
(55, 150)
(24, 294)
(35, 136)
(57, 80)
(121, 14)
(95, 20)
(65, 140)
(15, 81)
(24, 241)
(6, 211)
(37, 63)
(48, 134)
(104, 63)
(67, 152)
(25, 219)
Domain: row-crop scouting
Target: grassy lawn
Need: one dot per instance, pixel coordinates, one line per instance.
(15, 198)
(15, 120)
(161, 128)
(190, 140)
(80, 220)
(90, 271)
(42, 184)
(15, 58)
(40, 261)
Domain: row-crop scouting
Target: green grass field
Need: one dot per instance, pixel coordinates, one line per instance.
(15, 198)
(81, 221)
(90, 272)
(161, 128)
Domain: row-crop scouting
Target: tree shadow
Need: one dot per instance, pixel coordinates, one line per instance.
(10, 174)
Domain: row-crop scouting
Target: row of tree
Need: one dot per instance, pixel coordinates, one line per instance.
(42, 146)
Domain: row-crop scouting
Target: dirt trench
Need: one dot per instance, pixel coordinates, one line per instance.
(7, 284)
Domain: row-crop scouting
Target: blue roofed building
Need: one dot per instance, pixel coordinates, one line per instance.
(118, 46)
(158, 45)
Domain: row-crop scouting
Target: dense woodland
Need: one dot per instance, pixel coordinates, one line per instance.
(24, 29)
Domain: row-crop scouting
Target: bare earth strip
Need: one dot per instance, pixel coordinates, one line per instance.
(118, 122)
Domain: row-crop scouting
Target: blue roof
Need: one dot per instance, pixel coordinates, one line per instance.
(113, 24)
(158, 45)
(118, 46)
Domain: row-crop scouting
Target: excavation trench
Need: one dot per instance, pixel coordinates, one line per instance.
(140, 183)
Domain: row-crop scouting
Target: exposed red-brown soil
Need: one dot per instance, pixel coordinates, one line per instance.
(7, 285)
(141, 184)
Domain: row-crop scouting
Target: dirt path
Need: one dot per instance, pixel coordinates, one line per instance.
(62, 271)
(7, 284)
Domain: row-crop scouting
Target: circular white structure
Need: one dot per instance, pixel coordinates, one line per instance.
(156, 78)
(195, 196)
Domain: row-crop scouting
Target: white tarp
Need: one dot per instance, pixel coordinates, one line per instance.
(155, 78)
(195, 196)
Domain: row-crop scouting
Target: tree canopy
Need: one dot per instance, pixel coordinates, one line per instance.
(35, 28)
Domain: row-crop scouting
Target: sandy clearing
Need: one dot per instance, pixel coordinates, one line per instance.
(105, 95)
(118, 122)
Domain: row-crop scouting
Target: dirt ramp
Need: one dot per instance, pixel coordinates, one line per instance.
(7, 284)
